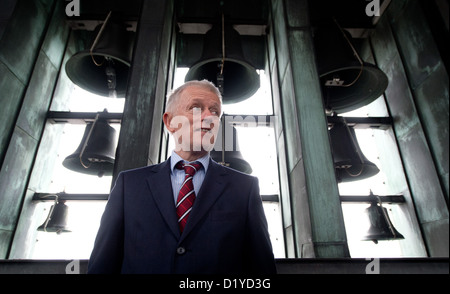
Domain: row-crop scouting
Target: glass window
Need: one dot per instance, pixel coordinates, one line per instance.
(84, 101)
(61, 140)
(257, 145)
(66, 180)
(258, 104)
(83, 221)
(379, 147)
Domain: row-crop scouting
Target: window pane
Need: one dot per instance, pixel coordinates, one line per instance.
(84, 101)
(356, 226)
(258, 104)
(83, 221)
(273, 216)
(70, 181)
(377, 183)
(379, 147)
(257, 146)
(50, 176)
(70, 97)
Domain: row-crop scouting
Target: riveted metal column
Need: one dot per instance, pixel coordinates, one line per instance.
(316, 211)
(417, 98)
(141, 129)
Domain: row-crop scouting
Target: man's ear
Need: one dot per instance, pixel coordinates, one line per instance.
(167, 117)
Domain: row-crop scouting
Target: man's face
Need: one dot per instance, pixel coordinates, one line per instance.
(195, 122)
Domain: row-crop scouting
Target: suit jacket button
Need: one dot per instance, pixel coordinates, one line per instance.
(181, 250)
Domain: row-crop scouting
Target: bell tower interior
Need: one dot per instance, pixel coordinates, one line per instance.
(347, 103)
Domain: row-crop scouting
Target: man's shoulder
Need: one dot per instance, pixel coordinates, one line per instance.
(232, 172)
(146, 169)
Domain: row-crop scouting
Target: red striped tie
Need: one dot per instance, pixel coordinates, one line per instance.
(186, 196)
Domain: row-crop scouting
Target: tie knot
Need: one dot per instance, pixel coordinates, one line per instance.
(190, 168)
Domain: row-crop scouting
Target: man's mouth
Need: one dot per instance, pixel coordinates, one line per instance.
(206, 128)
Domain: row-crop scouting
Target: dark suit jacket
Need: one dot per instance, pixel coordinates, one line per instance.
(226, 231)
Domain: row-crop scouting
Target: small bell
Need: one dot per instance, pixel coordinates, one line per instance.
(347, 81)
(349, 161)
(381, 227)
(103, 69)
(56, 221)
(96, 153)
(223, 63)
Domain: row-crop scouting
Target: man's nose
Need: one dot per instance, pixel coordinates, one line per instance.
(209, 119)
(206, 113)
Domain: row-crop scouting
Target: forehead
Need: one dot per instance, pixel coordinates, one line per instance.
(198, 94)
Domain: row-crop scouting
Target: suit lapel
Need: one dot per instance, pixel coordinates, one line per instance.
(159, 181)
(212, 188)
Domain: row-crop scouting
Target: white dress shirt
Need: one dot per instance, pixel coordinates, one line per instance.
(177, 175)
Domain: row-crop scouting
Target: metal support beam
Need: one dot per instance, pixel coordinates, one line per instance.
(317, 220)
(82, 117)
(382, 123)
(388, 199)
(68, 196)
(141, 129)
(287, 267)
(96, 197)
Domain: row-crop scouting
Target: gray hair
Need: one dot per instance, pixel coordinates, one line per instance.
(174, 96)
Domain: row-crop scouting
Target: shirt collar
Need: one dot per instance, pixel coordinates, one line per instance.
(175, 158)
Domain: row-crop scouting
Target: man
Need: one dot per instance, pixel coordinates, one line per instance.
(223, 232)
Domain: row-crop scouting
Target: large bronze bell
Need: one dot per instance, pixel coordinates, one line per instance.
(226, 151)
(96, 153)
(381, 227)
(239, 79)
(349, 161)
(347, 81)
(56, 221)
(103, 68)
